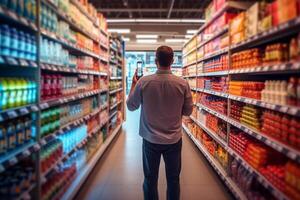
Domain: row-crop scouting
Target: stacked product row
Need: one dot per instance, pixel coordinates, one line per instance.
(243, 68)
(54, 96)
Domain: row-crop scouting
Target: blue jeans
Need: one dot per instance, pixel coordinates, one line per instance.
(151, 160)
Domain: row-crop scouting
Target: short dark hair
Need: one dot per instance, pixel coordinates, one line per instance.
(164, 56)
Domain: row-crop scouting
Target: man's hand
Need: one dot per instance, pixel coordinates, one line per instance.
(134, 81)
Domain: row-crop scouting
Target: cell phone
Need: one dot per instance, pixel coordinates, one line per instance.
(139, 69)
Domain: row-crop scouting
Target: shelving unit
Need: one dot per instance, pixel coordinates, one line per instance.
(197, 74)
(58, 111)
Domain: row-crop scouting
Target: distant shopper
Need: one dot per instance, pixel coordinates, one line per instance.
(164, 99)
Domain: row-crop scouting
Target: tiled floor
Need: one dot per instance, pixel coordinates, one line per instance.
(119, 175)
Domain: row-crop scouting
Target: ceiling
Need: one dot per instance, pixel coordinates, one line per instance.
(153, 9)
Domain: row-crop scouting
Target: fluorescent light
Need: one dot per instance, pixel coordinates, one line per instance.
(192, 31)
(126, 39)
(151, 41)
(156, 20)
(188, 36)
(147, 36)
(118, 30)
(176, 40)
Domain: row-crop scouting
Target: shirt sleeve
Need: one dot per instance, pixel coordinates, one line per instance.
(188, 102)
(135, 98)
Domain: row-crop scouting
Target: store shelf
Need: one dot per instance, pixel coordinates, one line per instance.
(115, 90)
(217, 167)
(66, 69)
(115, 105)
(274, 33)
(62, 100)
(18, 112)
(69, 126)
(103, 107)
(273, 143)
(25, 194)
(68, 45)
(116, 78)
(214, 36)
(190, 76)
(210, 133)
(13, 17)
(292, 110)
(13, 157)
(290, 67)
(220, 94)
(103, 59)
(16, 62)
(259, 177)
(103, 90)
(115, 62)
(82, 10)
(103, 32)
(61, 15)
(189, 64)
(104, 46)
(113, 48)
(218, 73)
(214, 54)
(82, 176)
(113, 114)
(190, 51)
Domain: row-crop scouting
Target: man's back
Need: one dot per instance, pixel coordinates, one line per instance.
(164, 99)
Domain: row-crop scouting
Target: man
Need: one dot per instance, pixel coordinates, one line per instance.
(164, 98)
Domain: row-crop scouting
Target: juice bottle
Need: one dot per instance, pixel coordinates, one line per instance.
(27, 124)
(5, 40)
(11, 92)
(3, 144)
(24, 98)
(22, 45)
(33, 10)
(47, 85)
(33, 48)
(34, 91)
(20, 7)
(12, 5)
(14, 43)
(1, 94)
(28, 47)
(19, 92)
(11, 136)
(20, 132)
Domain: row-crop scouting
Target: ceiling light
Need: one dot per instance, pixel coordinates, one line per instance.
(156, 20)
(192, 31)
(126, 39)
(146, 41)
(175, 40)
(147, 36)
(118, 30)
(188, 36)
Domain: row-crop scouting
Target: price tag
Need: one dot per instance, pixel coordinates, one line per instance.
(43, 142)
(13, 161)
(258, 136)
(36, 147)
(33, 64)
(12, 15)
(34, 108)
(24, 111)
(24, 21)
(293, 111)
(11, 61)
(292, 155)
(44, 105)
(23, 62)
(12, 114)
(283, 109)
(268, 142)
(26, 153)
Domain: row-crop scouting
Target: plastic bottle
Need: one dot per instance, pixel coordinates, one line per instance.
(12, 5)
(19, 92)
(291, 91)
(20, 132)
(28, 47)
(33, 10)
(3, 143)
(14, 43)
(4, 3)
(27, 8)
(298, 92)
(5, 40)
(20, 7)
(11, 136)
(12, 92)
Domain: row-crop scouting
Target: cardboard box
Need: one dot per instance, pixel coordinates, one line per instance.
(252, 18)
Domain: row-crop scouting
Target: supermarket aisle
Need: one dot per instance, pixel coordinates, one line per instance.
(119, 173)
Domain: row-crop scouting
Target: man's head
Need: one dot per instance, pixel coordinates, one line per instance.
(164, 57)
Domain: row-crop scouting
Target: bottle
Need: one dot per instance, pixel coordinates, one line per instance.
(14, 43)
(19, 92)
(291, 91)
(20, 7)
(12, 5)
(11, 92)
(283, 92)
(5, 40)
(22, 45)
(11, 136)
(298, 93)
(33, 10)
(3, 143)
(20, 132)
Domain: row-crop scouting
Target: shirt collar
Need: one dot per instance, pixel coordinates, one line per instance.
(163, 71)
